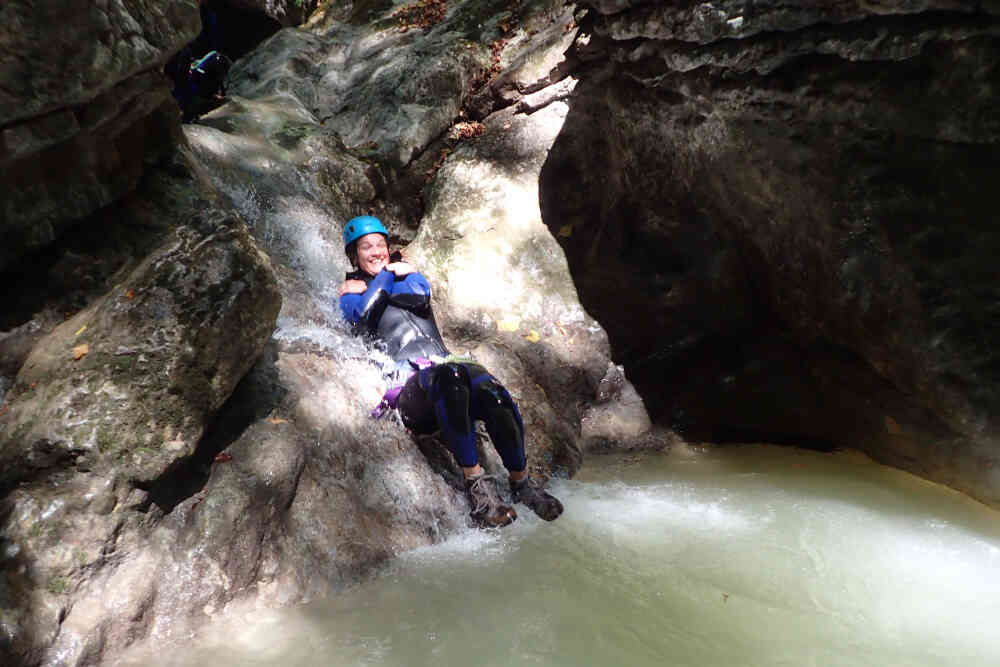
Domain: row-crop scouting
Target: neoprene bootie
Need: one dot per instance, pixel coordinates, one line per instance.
(543, 504)
(488, 509)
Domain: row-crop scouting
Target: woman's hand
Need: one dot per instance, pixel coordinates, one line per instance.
(352, 287)
(401, 268)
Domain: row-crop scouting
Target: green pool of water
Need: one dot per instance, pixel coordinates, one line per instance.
(748, 555)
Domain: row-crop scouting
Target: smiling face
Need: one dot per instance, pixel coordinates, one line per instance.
(373, 253)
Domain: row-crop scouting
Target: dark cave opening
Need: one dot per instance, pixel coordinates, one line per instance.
(199, 70)
(232, 30)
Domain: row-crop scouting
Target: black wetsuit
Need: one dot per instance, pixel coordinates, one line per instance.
(396, 311)
(449, 395)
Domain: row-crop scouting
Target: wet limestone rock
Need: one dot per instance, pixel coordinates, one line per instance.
(391, 90)
(83, 107)
(132, 378)
(794, 201)
(110, 402)
(285, 12)
(337, 74)
(285, 514)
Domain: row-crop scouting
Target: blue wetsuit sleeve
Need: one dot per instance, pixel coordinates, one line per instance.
(412, 283)
(355, 306)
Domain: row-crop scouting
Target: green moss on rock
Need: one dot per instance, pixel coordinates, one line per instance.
(292, 134)
(123, 363)
(57, 585)
(105, 439)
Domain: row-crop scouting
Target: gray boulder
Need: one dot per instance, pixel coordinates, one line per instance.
(110, 402)
(83, 108)
(794, 200)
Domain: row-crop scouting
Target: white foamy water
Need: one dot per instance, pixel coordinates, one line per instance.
(301, 237)
(750, 555)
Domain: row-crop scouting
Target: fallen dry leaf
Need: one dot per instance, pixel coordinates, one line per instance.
(80, 330)
(129, 294)
(276, 420)
(533, 336)
(80, 351)
(509, 324)
(421, 14)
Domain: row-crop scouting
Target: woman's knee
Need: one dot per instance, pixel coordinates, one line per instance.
(492, 398)
(451, 395)
(494, 405)
(448, 376)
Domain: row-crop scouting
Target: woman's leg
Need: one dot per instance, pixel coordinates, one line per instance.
(492, 403)
(448, 387)
(415, 407)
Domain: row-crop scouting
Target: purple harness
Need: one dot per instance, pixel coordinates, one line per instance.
(391, 397)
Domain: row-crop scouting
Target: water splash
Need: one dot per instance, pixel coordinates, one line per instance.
(300, 236)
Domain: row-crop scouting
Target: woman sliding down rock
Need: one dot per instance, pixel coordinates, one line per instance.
(390, 300)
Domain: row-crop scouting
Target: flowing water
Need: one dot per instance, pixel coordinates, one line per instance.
(749, 555)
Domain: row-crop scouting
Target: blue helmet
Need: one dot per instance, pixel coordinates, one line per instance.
(361, 225)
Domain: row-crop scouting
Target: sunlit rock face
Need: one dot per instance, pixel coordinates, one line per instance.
(395, 97)
(388, 91)
(798, 202)
(83, 108)
(129, 381)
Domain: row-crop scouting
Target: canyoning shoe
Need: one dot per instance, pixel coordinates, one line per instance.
(488, 509)
(529, 492)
